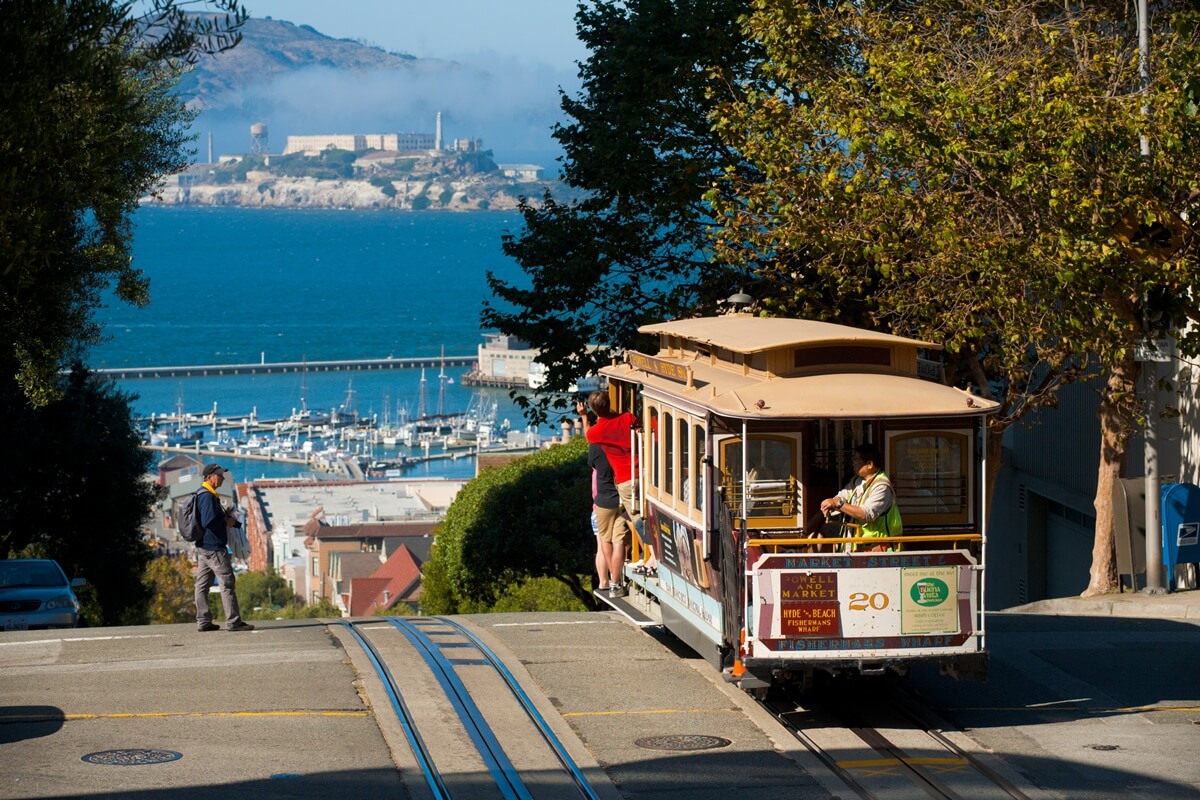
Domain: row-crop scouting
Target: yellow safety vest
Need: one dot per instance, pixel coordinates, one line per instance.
(883, 526)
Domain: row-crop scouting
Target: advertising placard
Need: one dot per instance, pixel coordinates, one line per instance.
(928, 600)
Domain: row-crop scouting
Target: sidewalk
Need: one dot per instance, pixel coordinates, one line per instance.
(1179, 605)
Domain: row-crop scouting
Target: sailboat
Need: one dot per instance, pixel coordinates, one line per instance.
(305, 417)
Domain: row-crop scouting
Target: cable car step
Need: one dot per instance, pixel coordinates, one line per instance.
(627, 609)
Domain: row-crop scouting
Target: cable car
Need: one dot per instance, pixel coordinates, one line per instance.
(747, 423)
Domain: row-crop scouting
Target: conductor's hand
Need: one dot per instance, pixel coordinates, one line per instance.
(829, 505)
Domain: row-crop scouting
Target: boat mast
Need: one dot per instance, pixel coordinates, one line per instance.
(421, 399)
(442, 384)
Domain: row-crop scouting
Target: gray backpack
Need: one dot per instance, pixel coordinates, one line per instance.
(190, 529)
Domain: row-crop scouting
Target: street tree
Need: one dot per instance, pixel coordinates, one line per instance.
(172, 590)
(90, 125)
(639, 144)
(263, 590)
(969, 173)
(526, 519)
(78, 491)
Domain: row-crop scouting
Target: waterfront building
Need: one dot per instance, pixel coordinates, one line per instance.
(502, 360)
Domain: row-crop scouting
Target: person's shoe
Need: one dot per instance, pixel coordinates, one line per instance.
(620, 590)
(241, 626)
(208, 626)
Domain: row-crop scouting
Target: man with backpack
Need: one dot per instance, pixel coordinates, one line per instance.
(212, 554)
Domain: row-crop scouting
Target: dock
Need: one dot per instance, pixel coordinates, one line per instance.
(285, 367)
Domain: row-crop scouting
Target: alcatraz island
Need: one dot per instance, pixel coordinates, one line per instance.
(401, 171)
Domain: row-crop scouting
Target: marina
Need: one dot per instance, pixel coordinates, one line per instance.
(342, 441)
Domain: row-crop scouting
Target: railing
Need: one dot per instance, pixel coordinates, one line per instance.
(815, 542)
(764, 498)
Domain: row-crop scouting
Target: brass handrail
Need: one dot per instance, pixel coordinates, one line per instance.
(961, 537)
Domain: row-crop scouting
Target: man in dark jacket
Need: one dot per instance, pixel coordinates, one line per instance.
(212, 554)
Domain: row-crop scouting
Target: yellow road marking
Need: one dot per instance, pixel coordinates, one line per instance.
(74, 717)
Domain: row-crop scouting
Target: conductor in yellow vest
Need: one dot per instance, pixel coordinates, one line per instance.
(868, 503)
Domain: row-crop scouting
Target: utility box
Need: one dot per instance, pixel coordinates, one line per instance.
(1181, 526)
(1129, 523)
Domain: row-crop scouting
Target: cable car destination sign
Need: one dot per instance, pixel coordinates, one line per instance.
(658, 366)
(862, 602)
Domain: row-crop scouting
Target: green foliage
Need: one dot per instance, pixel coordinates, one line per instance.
(437, 595)
(527, 519)
(385, 185)
(639, 144)
(321, 609)
(446, 196)
(396, 610)
(78, 492)
(891, 151)
(539, 595)
(90, 124)
(170, 580)
(262, 590)
(420, 202)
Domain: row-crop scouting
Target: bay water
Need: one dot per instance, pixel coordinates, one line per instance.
(240, 285)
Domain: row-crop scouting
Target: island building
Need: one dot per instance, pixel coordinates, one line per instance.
(315, 144)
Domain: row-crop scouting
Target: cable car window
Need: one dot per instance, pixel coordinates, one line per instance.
(655, 456)
(931, 473)
(668, 453)
(770, 490)
(697, 476)
(684, 463)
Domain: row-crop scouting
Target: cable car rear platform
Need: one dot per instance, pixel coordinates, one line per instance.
(291, 709)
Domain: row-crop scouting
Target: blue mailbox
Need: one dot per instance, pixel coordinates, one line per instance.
(1180, 526)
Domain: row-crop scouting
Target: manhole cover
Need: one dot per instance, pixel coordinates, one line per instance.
(1104, 747)
(132, 757)
(685, 741)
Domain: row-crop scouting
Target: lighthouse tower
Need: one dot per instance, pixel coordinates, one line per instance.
(437, 136)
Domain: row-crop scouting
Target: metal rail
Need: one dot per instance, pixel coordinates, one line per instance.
(433, 778)
(507, 778)
(920, 771)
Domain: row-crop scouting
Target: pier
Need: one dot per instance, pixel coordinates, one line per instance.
(283, 367)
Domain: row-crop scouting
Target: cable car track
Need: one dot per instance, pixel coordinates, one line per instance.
(887, 750)
(443, 712)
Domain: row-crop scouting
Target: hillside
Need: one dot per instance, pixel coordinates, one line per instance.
(274, 48)
(290, 79)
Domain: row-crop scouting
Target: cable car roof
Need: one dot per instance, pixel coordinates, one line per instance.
(846, 395)
(747, 367)
(743, 333)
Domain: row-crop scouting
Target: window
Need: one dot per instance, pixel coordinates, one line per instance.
(931, 473)
(770, 494)
(685, 473)
(668, 453)
(655, 455)
(697, 476)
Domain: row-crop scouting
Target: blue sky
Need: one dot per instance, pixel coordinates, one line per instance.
(528, 31)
